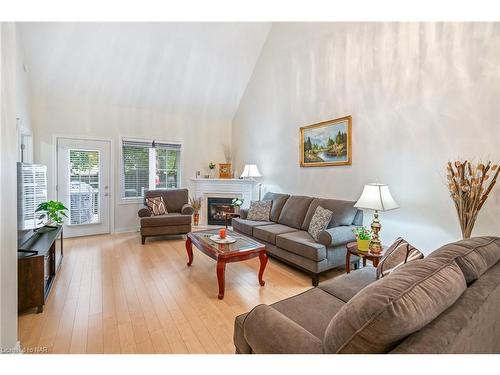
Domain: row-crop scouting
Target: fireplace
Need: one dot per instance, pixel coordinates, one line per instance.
(216, 208)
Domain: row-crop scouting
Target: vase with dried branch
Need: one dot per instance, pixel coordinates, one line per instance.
(469, 185)
(196, 204)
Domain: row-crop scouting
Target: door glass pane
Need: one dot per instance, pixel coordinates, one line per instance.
(84, 186)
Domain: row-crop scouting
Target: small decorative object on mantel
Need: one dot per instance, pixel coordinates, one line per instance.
(225, 170)
(53, 211)
(376, 197)
(237, 202)
(469, 185)
(196, 204)
(363, 238)
(211, 168)
(327, 143)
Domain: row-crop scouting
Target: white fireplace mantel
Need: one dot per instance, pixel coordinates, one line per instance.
(221, 188)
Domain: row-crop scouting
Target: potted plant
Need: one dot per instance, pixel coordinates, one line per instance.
(196, 204)
(237, 202)
(54, 211)
(363, 238)
(211, 167)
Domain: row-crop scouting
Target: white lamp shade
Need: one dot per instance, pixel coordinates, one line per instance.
(250, 170)
(376, 197)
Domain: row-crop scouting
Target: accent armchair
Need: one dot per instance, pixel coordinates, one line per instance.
(177, 220)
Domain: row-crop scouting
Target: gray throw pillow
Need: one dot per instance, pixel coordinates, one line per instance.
(319, 221)
(399, 253)
(259, 210)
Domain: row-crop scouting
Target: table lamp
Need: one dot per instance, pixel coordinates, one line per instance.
(251, 171)
(376, 197)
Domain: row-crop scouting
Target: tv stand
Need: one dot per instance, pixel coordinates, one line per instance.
(38, 261)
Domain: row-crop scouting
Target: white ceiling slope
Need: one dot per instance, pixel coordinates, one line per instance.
(179, 68)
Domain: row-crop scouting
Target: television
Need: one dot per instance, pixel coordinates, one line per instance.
(31, 191)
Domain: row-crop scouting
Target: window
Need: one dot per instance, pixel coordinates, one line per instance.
(84, 186)
(149, 165)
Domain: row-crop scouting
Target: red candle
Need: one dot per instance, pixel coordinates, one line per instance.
(222, 233)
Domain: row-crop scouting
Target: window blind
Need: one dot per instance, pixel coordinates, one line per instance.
(145, 167)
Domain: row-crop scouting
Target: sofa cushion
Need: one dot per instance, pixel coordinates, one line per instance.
(336, 236)
(343, 212)
(347, 285)
(294, 211)
(278, 203)
(399, 253)
(474, 255)
(319, 222)
(246, 226)
(312, 310)
(259, 210)
(377, 318)
(166, 220)
(301, 243)
(268, 233)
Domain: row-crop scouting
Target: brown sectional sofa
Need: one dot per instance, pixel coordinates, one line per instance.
(176, 221)
(445, 303)
(287, 239)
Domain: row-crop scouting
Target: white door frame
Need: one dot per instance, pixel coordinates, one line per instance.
(55, 137)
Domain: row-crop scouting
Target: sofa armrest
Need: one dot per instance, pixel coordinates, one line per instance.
(337, 236)
(268, 331)
(243, 213)
(187, 209)
(144, 212)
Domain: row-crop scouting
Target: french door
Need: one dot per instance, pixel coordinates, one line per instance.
(83, 185)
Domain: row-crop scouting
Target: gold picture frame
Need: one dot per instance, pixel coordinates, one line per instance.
(326, 144)
(225, 170)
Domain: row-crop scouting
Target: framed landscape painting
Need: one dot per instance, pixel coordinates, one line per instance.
(326, 144)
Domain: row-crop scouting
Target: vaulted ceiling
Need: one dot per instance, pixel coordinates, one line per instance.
(181, 68)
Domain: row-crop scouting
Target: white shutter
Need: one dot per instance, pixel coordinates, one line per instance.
(32, 190)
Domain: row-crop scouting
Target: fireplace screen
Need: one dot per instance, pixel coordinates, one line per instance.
(217, 207)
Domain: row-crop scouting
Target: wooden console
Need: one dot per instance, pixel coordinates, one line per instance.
(38, 261)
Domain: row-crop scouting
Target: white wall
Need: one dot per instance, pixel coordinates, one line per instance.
(23, 99)
(8, 157)
(202, 139)
(419, 95)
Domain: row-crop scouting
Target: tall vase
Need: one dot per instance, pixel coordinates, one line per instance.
(196, 218)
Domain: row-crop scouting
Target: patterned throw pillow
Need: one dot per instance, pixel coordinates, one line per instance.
(399, 253)
(156, 205)
(319, 221)
(259, 210)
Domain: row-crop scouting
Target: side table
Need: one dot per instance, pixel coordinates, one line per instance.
(352, 249)
(229, 216)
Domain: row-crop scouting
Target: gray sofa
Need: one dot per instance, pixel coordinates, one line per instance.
(287, 239)
(445, 303)
(176, 221)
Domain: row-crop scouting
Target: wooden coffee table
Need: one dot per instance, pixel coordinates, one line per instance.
(244, 248)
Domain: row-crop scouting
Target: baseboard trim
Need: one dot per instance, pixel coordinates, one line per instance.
(126, 229)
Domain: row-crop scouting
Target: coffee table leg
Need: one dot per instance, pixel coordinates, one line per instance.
(189, 249)
(263, 262)
(221, 269)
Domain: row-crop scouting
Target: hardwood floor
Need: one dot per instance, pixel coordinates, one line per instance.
(114, 295)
